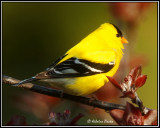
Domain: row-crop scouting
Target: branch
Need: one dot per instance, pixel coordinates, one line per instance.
(57, 93)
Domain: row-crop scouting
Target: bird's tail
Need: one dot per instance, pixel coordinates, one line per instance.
(26, 81)
(39, 76)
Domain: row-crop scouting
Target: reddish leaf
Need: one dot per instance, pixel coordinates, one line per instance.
(133, 115)
(135, 72)
(130, 116)
(117, 115)
(75, 119)
(52, 117)
(114, 82)
(63, 118)
(140, 81)
(67, 112)
(130, 108)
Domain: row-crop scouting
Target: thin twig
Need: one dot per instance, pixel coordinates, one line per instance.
(57, 93)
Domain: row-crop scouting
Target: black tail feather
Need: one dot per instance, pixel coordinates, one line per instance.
(26, 81)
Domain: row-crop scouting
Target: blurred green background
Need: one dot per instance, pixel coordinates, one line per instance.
(36, 34)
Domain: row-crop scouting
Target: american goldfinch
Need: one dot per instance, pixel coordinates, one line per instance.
(83, 69)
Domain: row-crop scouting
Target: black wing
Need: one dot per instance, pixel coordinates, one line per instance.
(55, 62)
(74, 67)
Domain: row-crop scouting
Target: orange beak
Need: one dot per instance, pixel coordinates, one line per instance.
(124, 40)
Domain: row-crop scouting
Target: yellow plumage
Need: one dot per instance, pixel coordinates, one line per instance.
(101, 48)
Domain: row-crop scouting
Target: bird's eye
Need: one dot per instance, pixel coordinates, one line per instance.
(117, 35)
